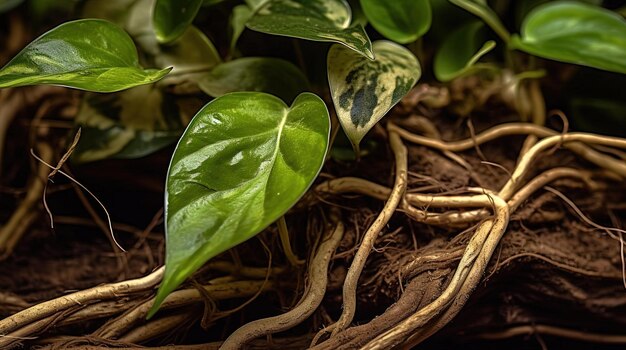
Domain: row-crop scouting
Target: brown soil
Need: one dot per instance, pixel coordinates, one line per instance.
(551, 268)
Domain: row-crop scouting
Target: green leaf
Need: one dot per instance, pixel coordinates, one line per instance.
(460, 51)
(207, 3)
(481, 9)
(272, 75)
(403, 21)
(172, 17)
(599, 115)
(244, 160)
(8, 5)
(128, 124)
(522, 8)
(255, 4)
(363, 90)
(575, 33)
(317, 20)
(238, 18)
(89, 54)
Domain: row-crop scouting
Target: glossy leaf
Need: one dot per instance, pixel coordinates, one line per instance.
(403, 21)
(364, 90)
(522, 8)
(172, 17)
(317, 20)
(575, 33)
(129, 124)
(460, 51)
(244, 160)
(90, 54)
(272, 75)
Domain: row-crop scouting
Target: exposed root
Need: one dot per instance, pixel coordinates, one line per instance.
(471, 267)
(354, 273)
(557, 332)
(311, 299)
(26, 212)
(435, 269)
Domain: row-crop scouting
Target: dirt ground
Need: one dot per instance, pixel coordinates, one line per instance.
(552, 273)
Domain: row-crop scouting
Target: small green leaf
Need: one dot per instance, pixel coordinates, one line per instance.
(317, 20)
(238, 18)
(363, 90)
(8, 5)
(460, 51)
(128, 124)
(172, 17)
(481, 9)
(89, 54)
(272, 75)
(575, 33)
(244, 160)
(403, 21)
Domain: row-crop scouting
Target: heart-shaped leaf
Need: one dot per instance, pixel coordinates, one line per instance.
(460, 51)
(317, 20)
(172, 17)
(576, 33)
(131, 123)
(272, 75)
(364, 90)
(402, 21)
(243, 161)
(90, 54)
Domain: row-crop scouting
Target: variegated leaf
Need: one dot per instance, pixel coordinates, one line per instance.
(131, 123)
(364, 90)
(317, 20)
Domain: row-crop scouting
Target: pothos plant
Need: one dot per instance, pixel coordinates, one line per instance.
(250, 153)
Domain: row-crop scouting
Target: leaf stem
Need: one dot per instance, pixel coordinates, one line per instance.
(284, 240)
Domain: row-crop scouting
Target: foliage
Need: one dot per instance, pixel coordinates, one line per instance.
(244, 160)
(246, 157)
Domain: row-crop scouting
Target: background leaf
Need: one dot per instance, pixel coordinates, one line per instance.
(244, 160)
(402, 21)
(364, 90)
(172, 17)
(131, 123)
(575, 33)
(317, 20)
(90, 54)
(8, 5)
(272, 75)
(237, 22)
(460, 51)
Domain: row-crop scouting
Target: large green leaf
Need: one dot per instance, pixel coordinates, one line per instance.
(575, 33)
(460, 51)
(244, 160)
(317, 20)
(172, 17)
(272, 75)
(402, 21)
(129, 124)
(364, 90)
(90, 54)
